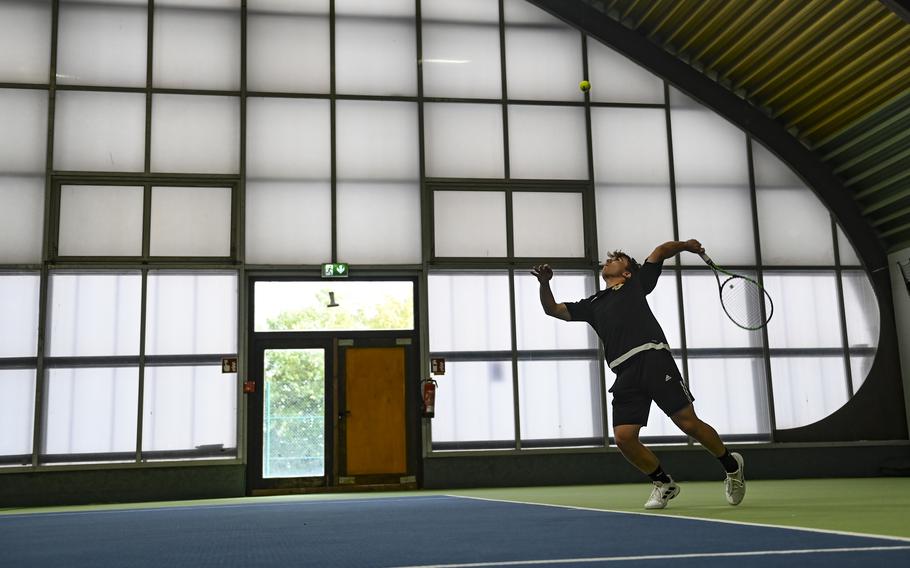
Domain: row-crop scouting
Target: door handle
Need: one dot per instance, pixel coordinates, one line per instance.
(343, 415)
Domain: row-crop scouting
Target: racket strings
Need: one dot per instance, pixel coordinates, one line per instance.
(743, 300)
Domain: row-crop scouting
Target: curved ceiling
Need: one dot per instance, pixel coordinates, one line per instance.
(834, 73)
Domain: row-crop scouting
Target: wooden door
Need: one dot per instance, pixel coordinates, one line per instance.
(374, 395)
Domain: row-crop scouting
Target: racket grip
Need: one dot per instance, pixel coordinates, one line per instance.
(706, 258)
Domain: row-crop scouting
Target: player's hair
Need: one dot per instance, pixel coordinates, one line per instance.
(632, 264)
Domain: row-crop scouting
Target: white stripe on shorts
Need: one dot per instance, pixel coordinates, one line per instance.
(635, 351)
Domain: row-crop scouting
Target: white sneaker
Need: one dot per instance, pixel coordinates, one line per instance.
(661, 493)
(735, 484)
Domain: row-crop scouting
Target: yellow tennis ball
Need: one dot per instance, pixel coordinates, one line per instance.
(585, 86)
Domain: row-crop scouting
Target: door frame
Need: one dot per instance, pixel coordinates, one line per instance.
(333, 342)
(254, 401)
(412, 419)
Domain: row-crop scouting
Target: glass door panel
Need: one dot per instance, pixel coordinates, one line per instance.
(293, 413)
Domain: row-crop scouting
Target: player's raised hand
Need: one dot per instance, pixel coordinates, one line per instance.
(692, 245)
(542, 272)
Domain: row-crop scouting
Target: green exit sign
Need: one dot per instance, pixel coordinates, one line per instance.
(335, 270)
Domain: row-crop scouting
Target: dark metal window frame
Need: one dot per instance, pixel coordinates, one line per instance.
(147, 182)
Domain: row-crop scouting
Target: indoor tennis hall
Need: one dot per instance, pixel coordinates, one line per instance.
(439, 283)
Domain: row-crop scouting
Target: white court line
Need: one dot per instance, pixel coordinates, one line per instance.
(658, 557)
(707, 520)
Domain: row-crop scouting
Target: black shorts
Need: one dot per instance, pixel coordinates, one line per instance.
(650, 375)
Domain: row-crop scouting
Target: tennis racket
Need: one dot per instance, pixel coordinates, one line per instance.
(745, 302)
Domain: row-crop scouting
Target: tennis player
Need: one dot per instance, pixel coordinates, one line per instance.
(637, 351)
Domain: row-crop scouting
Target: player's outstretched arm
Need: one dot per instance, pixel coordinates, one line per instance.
(544, 274)
(673, 248)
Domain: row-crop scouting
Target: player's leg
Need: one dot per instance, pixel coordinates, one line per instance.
(691, 424)
(631, 406)
(669, 391)
(628, 442)
(687, 421)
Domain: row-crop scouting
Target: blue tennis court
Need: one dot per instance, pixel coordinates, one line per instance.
(417, 531)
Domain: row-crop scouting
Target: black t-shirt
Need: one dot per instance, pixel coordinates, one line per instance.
(622, 318)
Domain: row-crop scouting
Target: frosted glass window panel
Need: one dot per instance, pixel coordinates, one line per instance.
(474, 403)
(630, 146)
(100, 220)
(288, 139)
(719, 217)
(21, 219)
(861, 310)
(378, 223)
(288, 222)
(616, 79)
(377, 140)
(461, 60)
(463, 140)
(534, 231)
(632, 218)
(659, 424)
(523, 13)
(469, 223)
(18, 315)
(190, 221)
(794, 227)
(375, 55)
(188, 407)
(195, 134)
(94, 314)
(91, 410)
(559, 399)
(805, 310)
(664, 304)
(191, 313)
(25, 41)
(770, 171)
(547, 142)
(707, 150)
(99, 131)
(469, 11)
(730, 394)
(707, 325)
(543, 55)
(469, 311)
(537, 330)
(375, 8)
(859, 370)
(196, 48)
(23, 138)
(288, 52)
(288, 7)
(806, 389)
(112, 2)
(102, 44)
(847, 253)
(17, 411)
(207, 4)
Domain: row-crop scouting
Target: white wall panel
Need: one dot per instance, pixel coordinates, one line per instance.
(25, 41)
(195, 134)
(99, 131)
(547, 142)
(102, 44)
